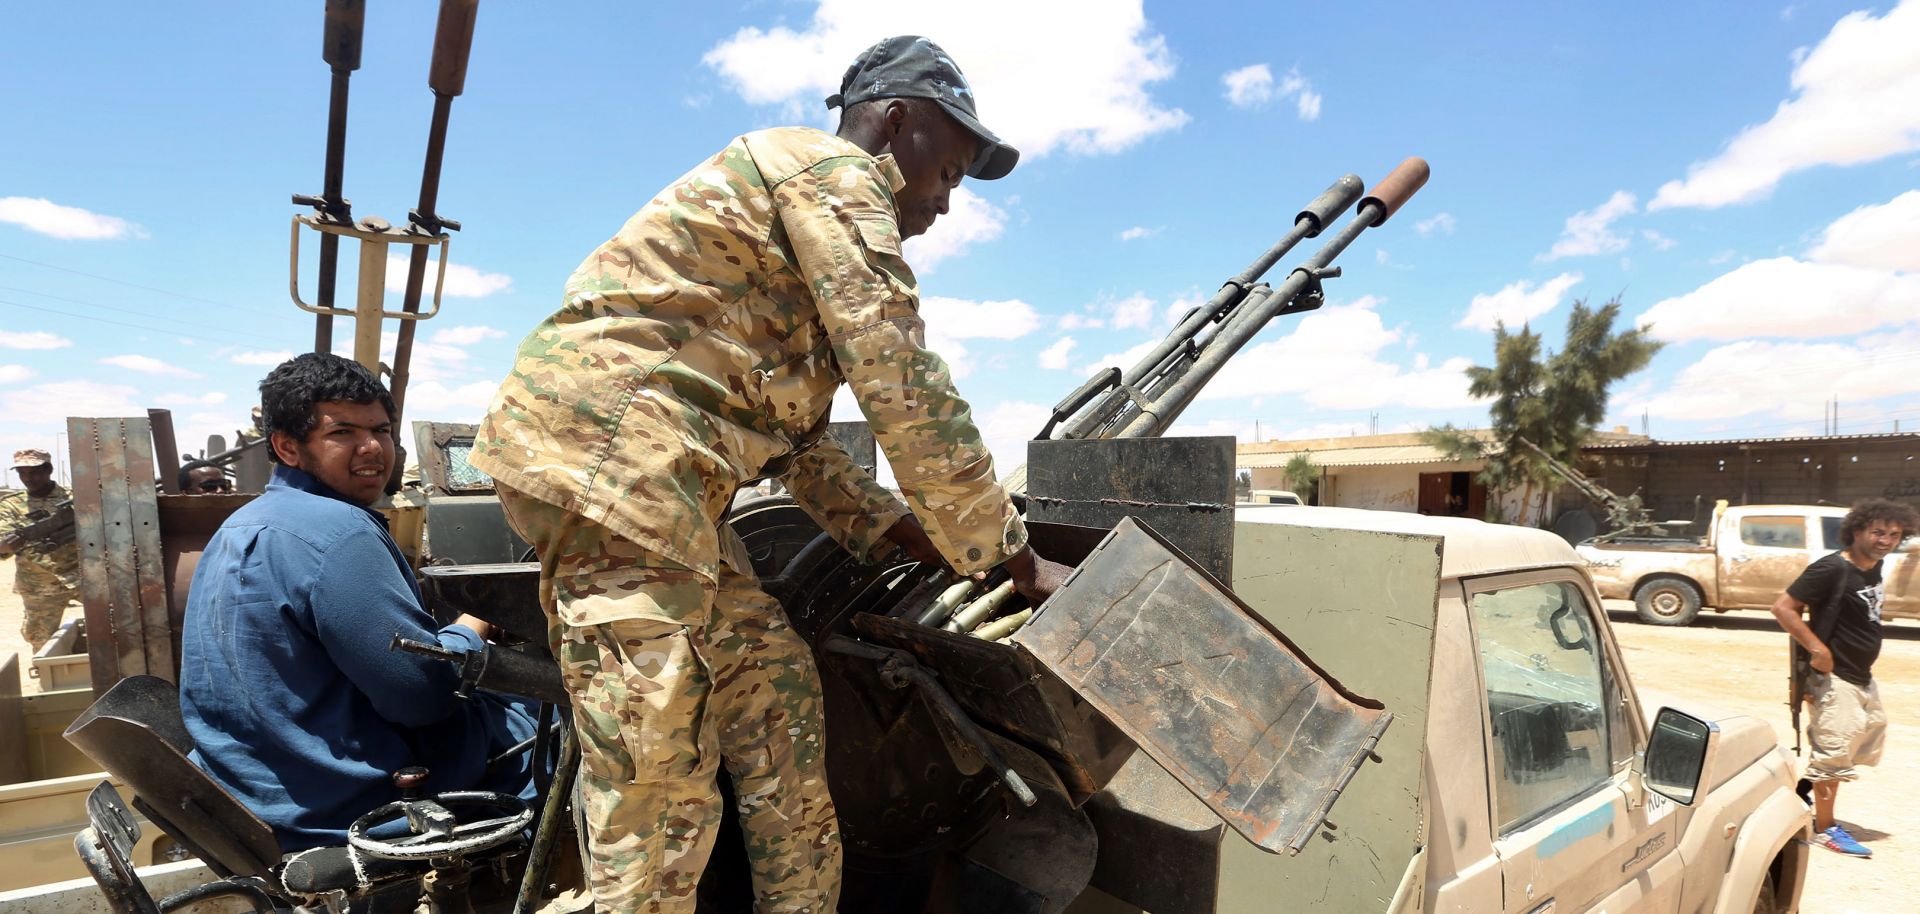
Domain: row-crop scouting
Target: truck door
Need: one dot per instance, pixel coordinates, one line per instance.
(1572, 832)
(1763, 554)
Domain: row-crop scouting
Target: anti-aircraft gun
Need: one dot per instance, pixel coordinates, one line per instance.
(1626, 515)
(979, 773)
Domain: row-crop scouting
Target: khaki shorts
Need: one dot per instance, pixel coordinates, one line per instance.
(1848, 729)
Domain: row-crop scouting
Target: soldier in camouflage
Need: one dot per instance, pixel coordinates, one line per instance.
(46, 571)
(698, 351)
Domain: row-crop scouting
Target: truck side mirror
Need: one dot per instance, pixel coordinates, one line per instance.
(1676, 755)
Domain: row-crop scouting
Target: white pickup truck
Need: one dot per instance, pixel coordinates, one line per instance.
(1524, 772)
(1749, 555)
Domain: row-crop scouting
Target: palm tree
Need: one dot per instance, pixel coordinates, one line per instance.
(1555, 403)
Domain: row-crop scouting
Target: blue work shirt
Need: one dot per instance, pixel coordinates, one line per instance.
(294, 700)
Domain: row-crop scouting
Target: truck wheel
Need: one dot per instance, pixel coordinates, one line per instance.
(1768, 901)
(1667, 601)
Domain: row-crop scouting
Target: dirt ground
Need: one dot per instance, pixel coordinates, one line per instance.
(1737, 662)
(11, 615)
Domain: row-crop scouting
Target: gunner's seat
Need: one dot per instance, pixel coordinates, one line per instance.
(136, 733)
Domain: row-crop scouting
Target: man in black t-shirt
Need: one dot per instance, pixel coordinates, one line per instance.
(1841, 636)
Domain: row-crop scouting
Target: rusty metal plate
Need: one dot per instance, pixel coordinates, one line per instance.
(1223, 702)
(1095, 483)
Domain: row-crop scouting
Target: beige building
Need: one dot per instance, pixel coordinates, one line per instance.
(1395, 472)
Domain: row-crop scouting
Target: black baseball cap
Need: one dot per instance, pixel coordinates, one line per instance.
(909, 66)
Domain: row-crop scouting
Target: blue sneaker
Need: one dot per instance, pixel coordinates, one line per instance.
(1837, 839)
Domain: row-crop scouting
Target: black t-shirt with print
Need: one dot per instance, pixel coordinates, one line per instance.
(1835, 585)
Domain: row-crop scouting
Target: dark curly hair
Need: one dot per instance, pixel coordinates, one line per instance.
(1867, 512)
(288, 393)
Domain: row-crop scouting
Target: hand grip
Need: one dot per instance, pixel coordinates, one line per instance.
(340, 45)
(1395, 189)
(452, 40)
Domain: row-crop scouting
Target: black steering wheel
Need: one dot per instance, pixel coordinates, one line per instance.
(435, 831)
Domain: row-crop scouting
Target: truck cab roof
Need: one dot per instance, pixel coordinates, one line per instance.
(1470, 547)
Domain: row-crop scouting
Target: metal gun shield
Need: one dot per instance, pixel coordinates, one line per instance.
(1192, 675)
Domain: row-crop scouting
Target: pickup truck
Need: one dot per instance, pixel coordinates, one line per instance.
(1749, 555)
(1522, 772)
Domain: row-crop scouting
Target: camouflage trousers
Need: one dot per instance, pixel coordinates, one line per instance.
(672, 674)
(45, 596)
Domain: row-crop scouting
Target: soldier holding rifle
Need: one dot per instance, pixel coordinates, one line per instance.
(39, 535)
(696, 352)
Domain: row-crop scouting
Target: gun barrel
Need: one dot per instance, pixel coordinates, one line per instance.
(1300, 291)
(1308, 223)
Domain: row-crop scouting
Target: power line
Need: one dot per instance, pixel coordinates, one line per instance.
(238, 336)
(122, 282)
(88, 317)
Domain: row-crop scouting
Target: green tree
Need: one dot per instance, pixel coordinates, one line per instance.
(1555, 402)
(1303, 478)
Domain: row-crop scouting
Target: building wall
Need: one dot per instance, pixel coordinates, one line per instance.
(1396, 487)
(1670, 479)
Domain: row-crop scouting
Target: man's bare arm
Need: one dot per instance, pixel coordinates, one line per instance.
(1786, 611)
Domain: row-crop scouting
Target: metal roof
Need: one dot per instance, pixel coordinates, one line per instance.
(1722, 442)
(1349, 456)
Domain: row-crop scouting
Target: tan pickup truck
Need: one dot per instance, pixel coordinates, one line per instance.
(1523, 773)
(1749, 555)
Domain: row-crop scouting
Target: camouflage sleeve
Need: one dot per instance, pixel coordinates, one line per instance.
(842, 498)
(839, 218)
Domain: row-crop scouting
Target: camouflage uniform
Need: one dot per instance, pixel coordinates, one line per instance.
(697, 351)
(45, 575)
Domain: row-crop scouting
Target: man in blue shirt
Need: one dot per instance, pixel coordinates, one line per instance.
(293, 699)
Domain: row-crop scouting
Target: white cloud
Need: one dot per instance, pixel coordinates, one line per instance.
(32, 339)
(1660, 242)
(1517, 303)
(261, 358)
(1253, 87)
(1442, 223)
(1178, 308)
(1853, 102)
(49, 405)
(1096, 66)
(962, 319)
(1007, 427)
(441, 402)
(1076, 320)
(14, 374)
(1135, 310)
(68, 223)
(462, 281)
(1055, 356)
(970, 220)
(1343, 341)
(1138, 232)
(466, 335)
(1249, 87)
(146, 364)
(1886, 236)
(1121, 360)
(210, 398)
(1782, 296)
(1591, 232)
(1789, 379)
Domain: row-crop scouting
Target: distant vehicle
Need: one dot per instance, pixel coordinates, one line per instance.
(1750, 553)
(1273, 497)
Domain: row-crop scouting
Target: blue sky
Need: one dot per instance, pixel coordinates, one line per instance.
(1745, 176)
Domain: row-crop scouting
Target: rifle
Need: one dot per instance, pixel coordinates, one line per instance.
(1796, 686)
(47, 525)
